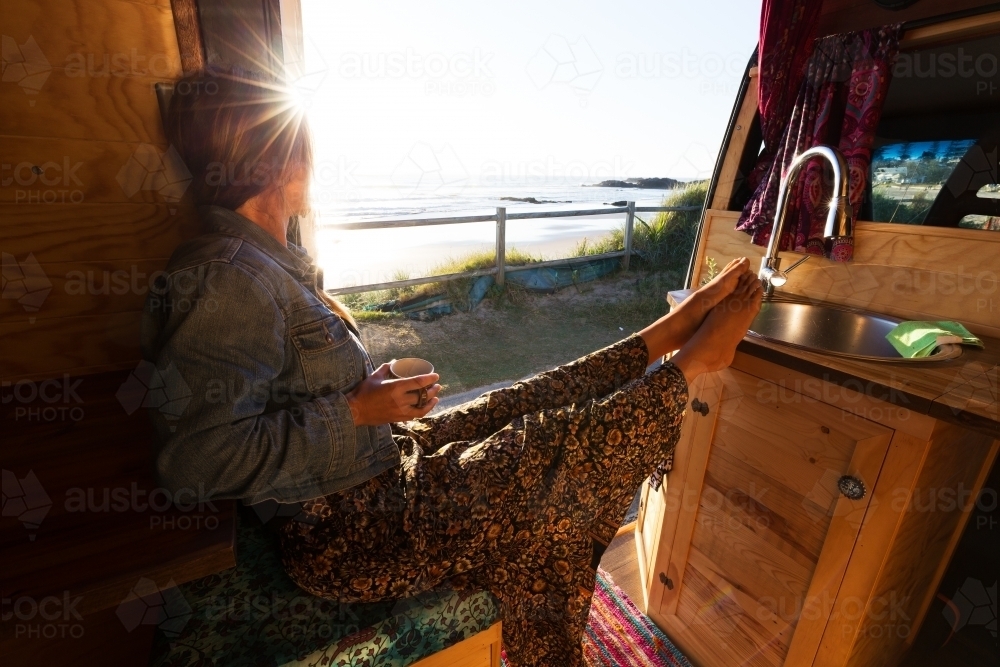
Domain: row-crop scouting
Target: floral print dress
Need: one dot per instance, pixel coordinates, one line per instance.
(518, 492)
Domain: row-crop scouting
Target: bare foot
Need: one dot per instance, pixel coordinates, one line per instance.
(694, 308)
(713, 346)
(710, 294)
(673, 330)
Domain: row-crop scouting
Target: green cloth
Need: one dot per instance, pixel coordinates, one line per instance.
(915, 340)
(253, 614)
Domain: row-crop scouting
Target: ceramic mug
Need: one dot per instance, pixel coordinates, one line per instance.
(411, 367)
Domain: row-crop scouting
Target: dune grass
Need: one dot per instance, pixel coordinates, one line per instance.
(457, 291)
(663, 243)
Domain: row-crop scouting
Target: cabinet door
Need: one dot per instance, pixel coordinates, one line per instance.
(659, 520)
(763, 533)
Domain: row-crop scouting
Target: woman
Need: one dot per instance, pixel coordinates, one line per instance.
(518, 491)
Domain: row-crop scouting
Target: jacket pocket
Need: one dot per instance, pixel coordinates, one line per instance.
(331, 360)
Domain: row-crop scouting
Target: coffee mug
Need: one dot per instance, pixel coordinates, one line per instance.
(409, 367)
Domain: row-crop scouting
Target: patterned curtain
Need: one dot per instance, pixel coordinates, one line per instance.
(839, 103)
(787, 31)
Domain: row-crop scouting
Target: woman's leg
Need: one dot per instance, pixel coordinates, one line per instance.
(518, 512)
(575, 480)
(580, 469)
(593, 376)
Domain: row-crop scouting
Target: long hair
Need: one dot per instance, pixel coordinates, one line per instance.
(240, 135)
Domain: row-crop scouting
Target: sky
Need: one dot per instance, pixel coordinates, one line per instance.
(570, 92)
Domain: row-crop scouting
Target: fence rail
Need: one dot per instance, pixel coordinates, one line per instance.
(500, 218)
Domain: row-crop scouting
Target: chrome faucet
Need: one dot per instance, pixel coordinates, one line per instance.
(839, 217)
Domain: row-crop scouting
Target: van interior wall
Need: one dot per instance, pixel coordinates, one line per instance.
(87, 204)
(80, 199)
(88, 217)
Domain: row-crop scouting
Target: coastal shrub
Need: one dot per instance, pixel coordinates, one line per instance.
(663, 242)
(363, 304)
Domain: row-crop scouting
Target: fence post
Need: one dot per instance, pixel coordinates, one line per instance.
(629, 225)
(501, 244)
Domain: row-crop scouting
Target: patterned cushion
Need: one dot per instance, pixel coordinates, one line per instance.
(254, 615)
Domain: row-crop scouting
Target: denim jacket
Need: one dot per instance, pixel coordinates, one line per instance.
(246, 371)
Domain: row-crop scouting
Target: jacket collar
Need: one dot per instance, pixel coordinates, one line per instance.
(292, 258)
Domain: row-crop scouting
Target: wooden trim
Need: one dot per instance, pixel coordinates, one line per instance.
(900, 471)
(682, 498)
(642, 557)
(480, 650)
(189, 40)
(732, 217)
(292, 38)
(627, 528)
(861, 404)
(841, 540)
(977, 235)
(729, 172)
(966, 27)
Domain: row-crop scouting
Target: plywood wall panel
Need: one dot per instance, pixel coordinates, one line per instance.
(51, 347)
(134, 37)
(88, 288)
(942, 499)
(95, 232)
(907, 271)
(77, 171)
(89, 189)
(110, 108)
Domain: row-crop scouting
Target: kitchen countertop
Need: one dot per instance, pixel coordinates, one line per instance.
(962, 391)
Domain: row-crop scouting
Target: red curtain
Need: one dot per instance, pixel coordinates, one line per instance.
(840, 91)
(787, 35)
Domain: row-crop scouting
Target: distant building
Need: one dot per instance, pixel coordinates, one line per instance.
(890, 174)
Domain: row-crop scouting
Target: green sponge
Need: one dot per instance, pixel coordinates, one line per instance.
(915, 340)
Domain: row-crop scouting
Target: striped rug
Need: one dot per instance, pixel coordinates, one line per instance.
(619, 635)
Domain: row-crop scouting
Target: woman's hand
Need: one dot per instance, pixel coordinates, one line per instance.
(381, 399)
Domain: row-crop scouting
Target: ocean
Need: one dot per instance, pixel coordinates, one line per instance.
(363, 257)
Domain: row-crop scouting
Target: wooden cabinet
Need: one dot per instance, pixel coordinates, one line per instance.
(480, 650)
(753, 553)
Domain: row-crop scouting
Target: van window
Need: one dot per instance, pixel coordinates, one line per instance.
(907, 176)
(934, 160)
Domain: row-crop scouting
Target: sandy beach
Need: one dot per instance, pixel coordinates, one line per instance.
(370, 256)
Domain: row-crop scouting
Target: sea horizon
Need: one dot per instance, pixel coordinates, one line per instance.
(350, 258)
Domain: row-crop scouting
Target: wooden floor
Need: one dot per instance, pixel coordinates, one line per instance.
(621, 563)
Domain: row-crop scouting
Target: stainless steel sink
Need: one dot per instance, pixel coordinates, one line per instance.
(835, 330)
